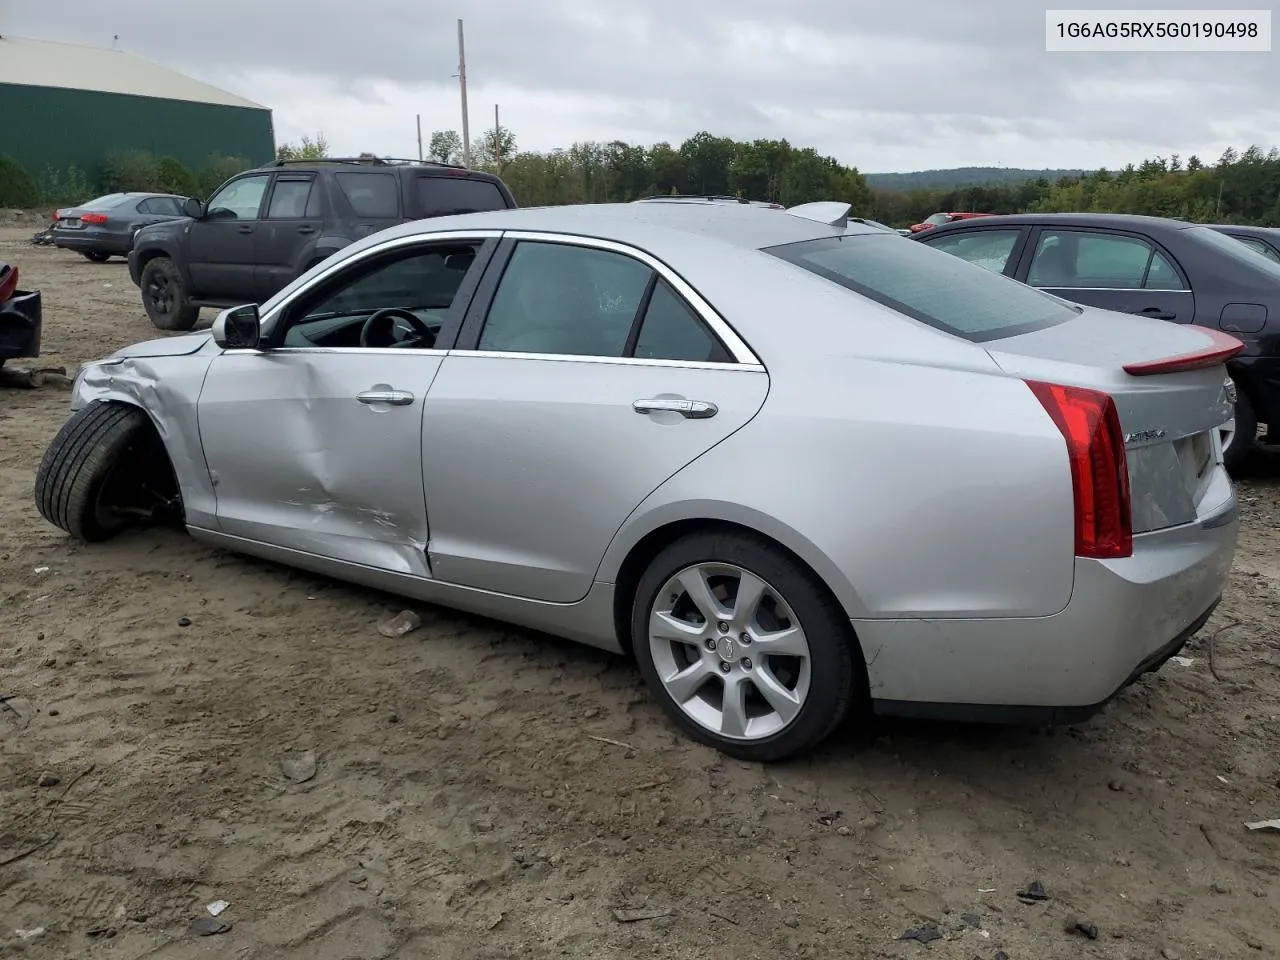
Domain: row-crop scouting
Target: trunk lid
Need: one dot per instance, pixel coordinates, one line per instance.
(1170, 421)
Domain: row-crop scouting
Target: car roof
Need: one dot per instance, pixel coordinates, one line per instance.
(640, 224)
(1113, 220)
(1242, 227)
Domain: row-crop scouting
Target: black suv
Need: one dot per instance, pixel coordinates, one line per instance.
(264, 227)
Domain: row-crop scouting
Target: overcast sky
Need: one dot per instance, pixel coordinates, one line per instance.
(884, 85)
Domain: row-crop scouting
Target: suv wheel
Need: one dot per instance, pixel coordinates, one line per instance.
(165, 298)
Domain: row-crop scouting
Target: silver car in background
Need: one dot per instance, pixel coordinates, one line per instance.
(795, 467)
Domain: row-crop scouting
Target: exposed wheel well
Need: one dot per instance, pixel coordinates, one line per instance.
(653, 543)
(151, 474)
(146, 256)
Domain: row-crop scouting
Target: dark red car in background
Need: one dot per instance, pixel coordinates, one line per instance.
(930, 222)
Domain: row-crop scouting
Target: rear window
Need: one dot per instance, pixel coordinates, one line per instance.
(109, 202)
(445, 196)
(1236, 250)
(371, 194)
(928, 285)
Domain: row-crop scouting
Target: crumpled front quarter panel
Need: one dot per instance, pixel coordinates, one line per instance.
(167, 388)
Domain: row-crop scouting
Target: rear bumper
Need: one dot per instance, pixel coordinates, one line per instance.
(21, 322)
(116, 246)
(1125, 618)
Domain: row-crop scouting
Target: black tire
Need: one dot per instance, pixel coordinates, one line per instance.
(838, 681)
(1244, 443)
(95, 256)
(82, 460)
(164, 296)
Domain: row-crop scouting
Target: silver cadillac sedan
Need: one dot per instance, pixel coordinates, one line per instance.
(796, 467)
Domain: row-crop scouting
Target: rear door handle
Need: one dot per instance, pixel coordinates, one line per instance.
(306, 229)
(689, 409)
(1156, 313)
(397, 398)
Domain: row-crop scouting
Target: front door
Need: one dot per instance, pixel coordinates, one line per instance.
(221, 250)
(287, 234)
(582, 384)
(315, 442)
(1108, 269)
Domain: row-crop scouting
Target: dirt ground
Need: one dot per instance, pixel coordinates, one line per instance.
(483, 792)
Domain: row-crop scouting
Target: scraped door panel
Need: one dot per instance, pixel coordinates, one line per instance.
(532, 465)
(299, 460)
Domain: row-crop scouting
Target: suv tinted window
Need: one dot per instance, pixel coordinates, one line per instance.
(371, 194)
(443, 196)
(558, 298)
(289, 199)
(928, 285)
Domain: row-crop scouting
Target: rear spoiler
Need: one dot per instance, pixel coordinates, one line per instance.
(1223, 348)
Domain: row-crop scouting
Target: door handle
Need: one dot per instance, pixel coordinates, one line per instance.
(689, 409)
(306, 229)
(245, 229)
(397, 398)
(1156, 313)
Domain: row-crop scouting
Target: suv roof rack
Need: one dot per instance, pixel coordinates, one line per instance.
(696, 196)
(370, 160)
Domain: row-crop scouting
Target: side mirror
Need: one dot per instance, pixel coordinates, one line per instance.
(193, 208)
(238, 328)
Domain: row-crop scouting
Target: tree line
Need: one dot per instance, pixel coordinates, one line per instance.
(1238, 187)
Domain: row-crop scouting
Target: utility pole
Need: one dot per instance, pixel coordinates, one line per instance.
(419, 137)
(497, 141)
(462, 83)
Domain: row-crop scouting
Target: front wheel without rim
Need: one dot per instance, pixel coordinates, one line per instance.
(743, 648)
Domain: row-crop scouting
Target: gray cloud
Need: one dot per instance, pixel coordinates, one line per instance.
(922, 83)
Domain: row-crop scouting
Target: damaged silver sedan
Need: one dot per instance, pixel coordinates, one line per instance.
(795, 466)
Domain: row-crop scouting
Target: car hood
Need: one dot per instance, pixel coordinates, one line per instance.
(175, 346)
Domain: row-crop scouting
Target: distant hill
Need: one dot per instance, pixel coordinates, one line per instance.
(961, 177)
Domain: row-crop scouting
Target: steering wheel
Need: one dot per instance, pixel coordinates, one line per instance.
(376, 327)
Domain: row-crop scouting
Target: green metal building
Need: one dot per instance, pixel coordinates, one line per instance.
(64, 104)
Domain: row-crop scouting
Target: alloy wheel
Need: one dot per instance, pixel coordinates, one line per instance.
(729, 651)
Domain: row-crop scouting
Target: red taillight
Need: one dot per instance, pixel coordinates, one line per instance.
(57, 215)
(8, 281)
(1099, 468)
(1222, 349)
(94, 217)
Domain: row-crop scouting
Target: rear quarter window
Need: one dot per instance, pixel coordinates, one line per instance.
(446, 196)
(928, 285)
(371, 194)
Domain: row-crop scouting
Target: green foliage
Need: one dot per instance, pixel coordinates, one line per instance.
(130, 170)
(957, 177)
(173, 177)
(64, 188)
(17, 188)
(595, 172)
(306, 149)
(217, 171)
(446, 147)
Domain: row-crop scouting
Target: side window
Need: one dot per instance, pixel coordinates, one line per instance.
(169, 206)
(417, 287)
(671, 331)
(1072, 258)
(562, 299)
(989, 249)
(444, 196)
(289, 199)
(1161, 275)
(240, 199)
(371, 194)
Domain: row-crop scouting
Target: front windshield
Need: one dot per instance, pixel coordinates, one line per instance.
(1237, 251)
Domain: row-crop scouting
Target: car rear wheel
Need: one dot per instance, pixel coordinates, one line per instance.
(104, 471)
(165, 298)
(743, 648)
(95, 256)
